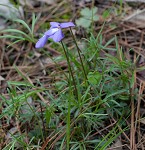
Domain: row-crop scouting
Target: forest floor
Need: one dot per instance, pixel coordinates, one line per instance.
(37, 78)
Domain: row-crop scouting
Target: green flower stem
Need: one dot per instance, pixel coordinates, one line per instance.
(68, 120)
(78, 49)
(70, 70)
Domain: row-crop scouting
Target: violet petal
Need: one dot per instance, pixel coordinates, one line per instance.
(58, 36)
(41, 42)
(54, 24)
(67, 25)
(51, 31)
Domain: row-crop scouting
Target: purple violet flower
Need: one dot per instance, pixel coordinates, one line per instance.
(54, 33)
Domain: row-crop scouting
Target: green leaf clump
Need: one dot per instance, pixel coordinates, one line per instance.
(88, 16)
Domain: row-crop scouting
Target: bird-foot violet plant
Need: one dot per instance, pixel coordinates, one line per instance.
(55, 33)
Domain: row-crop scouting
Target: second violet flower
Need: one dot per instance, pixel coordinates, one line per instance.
(54, 33)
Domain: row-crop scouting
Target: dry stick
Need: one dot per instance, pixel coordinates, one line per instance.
(132, 129)
(121, 130)
(99, 131)
(48, 140)
(138, 106)
(137, 122)
(141, 143)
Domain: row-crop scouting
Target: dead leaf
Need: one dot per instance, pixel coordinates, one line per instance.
(1, 78)
(142, 120)
(116, 146)
(137, 17)
(10, 133)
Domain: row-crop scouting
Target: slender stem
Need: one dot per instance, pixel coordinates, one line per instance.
(70, 70)
(68, 120)
(69, 99)
(78, 49)
(132, 129)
